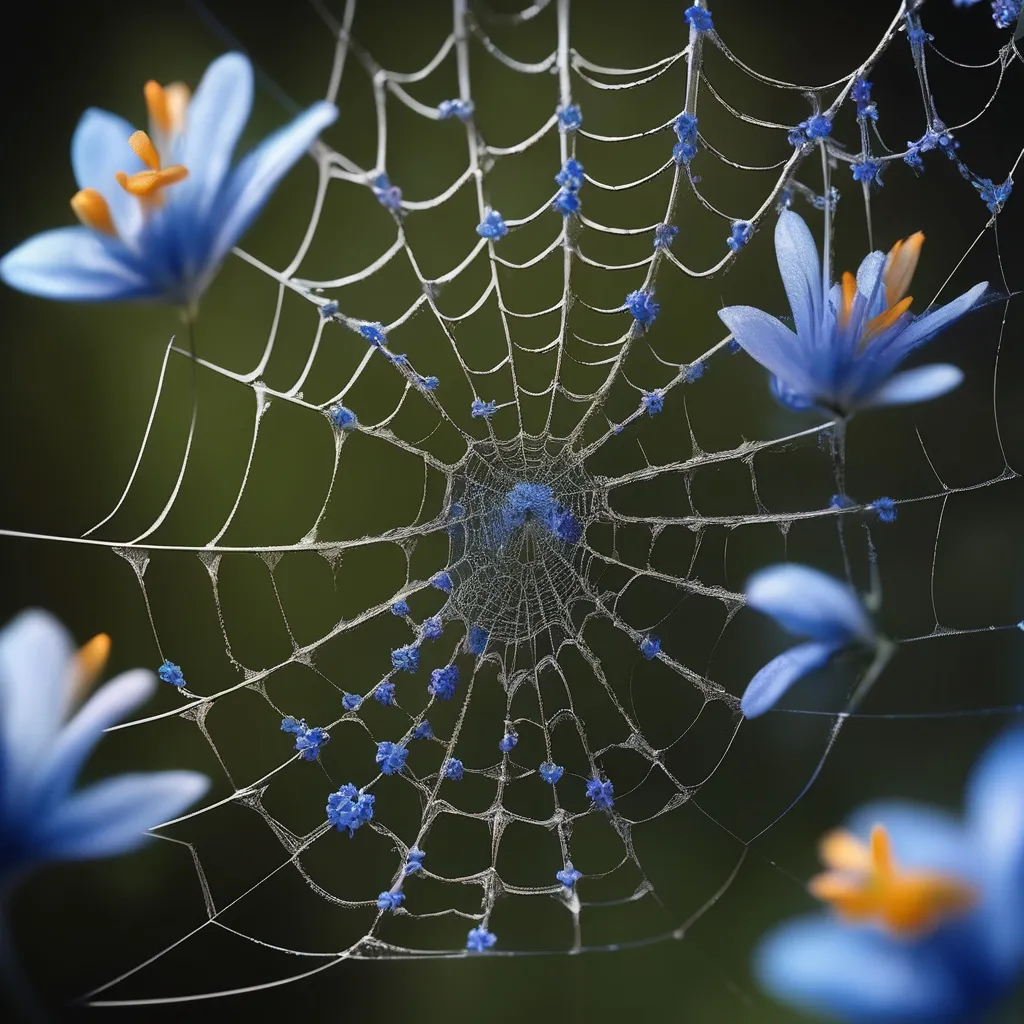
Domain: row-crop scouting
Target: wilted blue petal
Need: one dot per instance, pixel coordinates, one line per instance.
(806, 602)
(856, 974)
(99, 149)
(917, 385)
(217, 114)
(113, 816)
(770, 342)
(774, 679)
(930, 323)
(35, 653)
(258, 174)
(797, 255)
(75, 264)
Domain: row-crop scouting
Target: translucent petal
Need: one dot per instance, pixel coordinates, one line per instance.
(765, 690)
(926, 326)
(797, 255)
(771, 343)
(917, 385)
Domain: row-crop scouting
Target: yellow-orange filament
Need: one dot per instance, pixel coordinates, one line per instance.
(147, 184)
(90, 661)
(93, 211)
(849, 293)
(884, 321)
(900, 267)
(865, 884)
(166, 106)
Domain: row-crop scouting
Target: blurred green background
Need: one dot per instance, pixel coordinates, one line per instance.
(79, 383)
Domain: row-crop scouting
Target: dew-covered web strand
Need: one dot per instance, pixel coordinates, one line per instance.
(530, 649)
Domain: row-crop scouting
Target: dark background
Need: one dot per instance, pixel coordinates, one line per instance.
(78, 386)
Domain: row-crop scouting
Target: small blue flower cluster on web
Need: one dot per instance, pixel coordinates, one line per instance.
(652, 402)
(374, 334)
(423, 731)
(391, 757)
(328, 309)
(686, 131)
(860, 93)
(462, 109)
(550, 772)
(568, 876)
(650, 646)
(665, 235)
(453, 769)
(389, 196)
(343, 418)
(536, 502)
(443, 682)
(428, 383)
(400, 607)
(867, 170)
(441, 581)
(482, 410)
(992, 195)
(642, 306)
(480, 939)
(841, 501)
(817, 127)
(385, 694)
(1006, 12)
(694, 372)
(570, 178)
(349, 809)
(476, 640)
(600, 792)
(699, 19)
(493, 226)
(733, 347)
(406, 659)
(886, 509)
(937, 137)
(570, 117)
(414, 861)
(307, 741)
(742, 232)
(507, 742)
(432, 628)
(351, 701)
(390, 900)
(171, 673)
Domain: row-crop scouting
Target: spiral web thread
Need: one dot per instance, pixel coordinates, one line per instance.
(534, 593)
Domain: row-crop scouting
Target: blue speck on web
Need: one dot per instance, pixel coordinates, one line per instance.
(733, 347)
(476, 640)
(642, 307)
(171, 673)
(550, 772)
(390, 900)
(443, 682)
(430, 383)
(686, 130)
(349, 809)
(385, 694)
(571, 175)
(480, 939)
(441, 581)
(414, 861)
(462, 109)
(493, 226)
(373, 333)
(453, 769)
(432, 628)
(886, 509)
(992, 195)
(566, 202)
(568, 876)
(389, 196)
(391, 757)
(841, 501)
(650, 647)
(699, 19)
(423, 731)
(507, 742)
(665, 235)
(328, 309)
(400, 607)
(869, 171)
(742, 232)
(351, 701)
(600, 792)
(570, 117)
(694, 372)
(309, 741)
(566, 526)
(482, 410)
(406, 659)
(343, 418)
(652, 402)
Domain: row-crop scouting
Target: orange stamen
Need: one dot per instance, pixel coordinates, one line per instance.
(145, 150)
(867, 884)
(93, 211)
(166, 106)
(885, 320)
(146, 184)
(89, 663)
(900, 267)
(849, 294)
(156, 104)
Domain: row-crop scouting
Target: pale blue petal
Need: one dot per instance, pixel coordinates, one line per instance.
(112, 816)
(255, 178)
(74, 264)
(35, 662)
(99, 149)
(216, 117)
(765, 690)
(869, 284)
(797, 255)
(928, 324)
(771, 343)
(806, 602)
(856, 974)
(109, 705)
(918, 385)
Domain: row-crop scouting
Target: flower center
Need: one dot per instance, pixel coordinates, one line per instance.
(864, 883)
(147, 185)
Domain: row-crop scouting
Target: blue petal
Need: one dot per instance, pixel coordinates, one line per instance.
(765, 690)
(806, 602)
(112, 816)
(918, 385)
(99, 149)
(770, 342)
(797, 255)
(216, 117)
(856, 974)
(252, 182)
(928, 324)
(75, 264)
(35, 662)
(869, 284)
(108, 706)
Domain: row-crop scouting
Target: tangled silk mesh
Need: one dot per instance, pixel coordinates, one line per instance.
(592, 613)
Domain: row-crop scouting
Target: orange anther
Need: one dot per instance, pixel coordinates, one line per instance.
(849, 294)
(146, 184)
(89, 663)
(145, 150)
(167, 106)
(900, 267)
(93, 211)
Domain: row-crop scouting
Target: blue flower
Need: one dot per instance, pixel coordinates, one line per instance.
(804, 602)
(171, 673)
(344, 418)
(550, 772)
(453, 769)
(351, 701)
(600, 792)
(570, 177)
(493, 226)
(482, 410)
(405, 659)
(414, 861)
(476, 640)
(643, 307)
(570, 118)
(698, 18)
(390, 900)
(568, 876)
(432, 628)
(847, 346)
(930, 922)
(650, 647)
(42, 750)
(507, 742)
(423, 731)
(480, 939)
(349, 809)
(400, 608)
(443, 682)
(653, 402)
(462, 109)
(384, 693)
(307, 741)
(160, 212)
(391, 757)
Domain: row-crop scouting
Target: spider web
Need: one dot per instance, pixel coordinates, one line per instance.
(672, 511)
